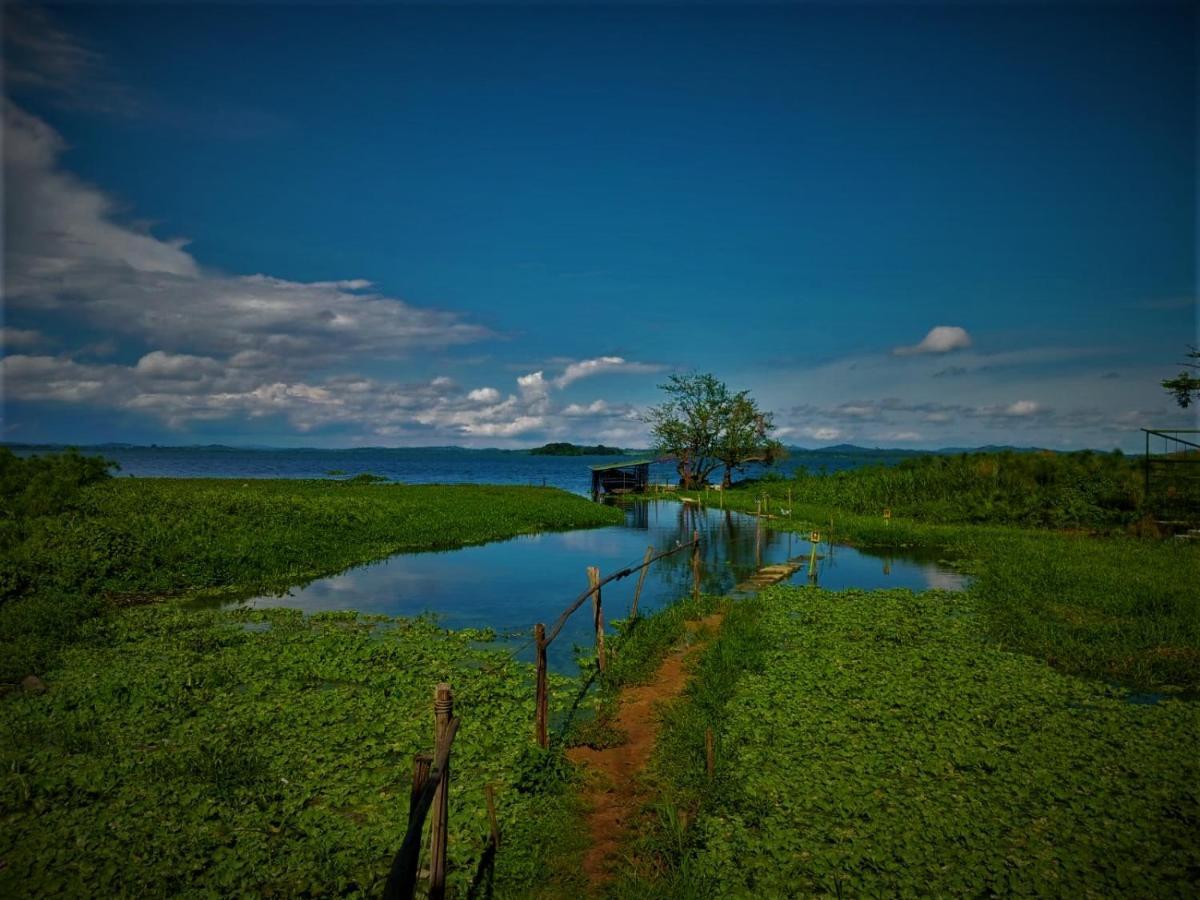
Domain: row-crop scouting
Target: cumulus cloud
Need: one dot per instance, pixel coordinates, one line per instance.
(181, 389)
(66, 253)
(940, 339)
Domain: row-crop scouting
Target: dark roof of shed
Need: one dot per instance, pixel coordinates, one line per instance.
(627, 464)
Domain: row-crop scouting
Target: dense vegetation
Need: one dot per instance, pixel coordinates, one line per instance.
(1041, 489)
(867, 743)
(123, 540)
(879, 744)
(1106, 606)
(566, 449)
(262, 752)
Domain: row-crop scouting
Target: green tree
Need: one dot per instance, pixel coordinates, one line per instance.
(745, 436)
(704, 425)
(1186, 383)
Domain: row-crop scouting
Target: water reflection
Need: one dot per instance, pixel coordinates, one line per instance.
(510, 585)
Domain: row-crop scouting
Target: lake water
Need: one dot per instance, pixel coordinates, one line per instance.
(509, 585)
(413, 465)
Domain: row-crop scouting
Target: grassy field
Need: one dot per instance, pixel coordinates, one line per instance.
(1104, 604)
(1044, 489)
(867, 743)
(182, 750)
(122, 541)
(881, 743)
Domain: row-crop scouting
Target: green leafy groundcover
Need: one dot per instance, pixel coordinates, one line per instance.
(876, 744)
(264, 752)
(123, 540)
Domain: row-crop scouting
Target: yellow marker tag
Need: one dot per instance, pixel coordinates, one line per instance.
(814, 537)
(887, 513)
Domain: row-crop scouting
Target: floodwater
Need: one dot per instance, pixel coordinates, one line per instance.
(509, 585)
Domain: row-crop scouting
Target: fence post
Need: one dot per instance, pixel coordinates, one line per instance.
(598, 614)
(443, 710)
(695, 565)
(709, 754)
(421, 764)
(539, 640)
(641, 580)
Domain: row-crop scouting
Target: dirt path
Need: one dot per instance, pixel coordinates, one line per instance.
(614, 792)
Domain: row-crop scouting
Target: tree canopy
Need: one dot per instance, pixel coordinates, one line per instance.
(1185, 384)
(705, 426)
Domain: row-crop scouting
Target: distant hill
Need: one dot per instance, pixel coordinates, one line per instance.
(565, 449)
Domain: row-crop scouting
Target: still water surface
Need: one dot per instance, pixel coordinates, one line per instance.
(509, 585)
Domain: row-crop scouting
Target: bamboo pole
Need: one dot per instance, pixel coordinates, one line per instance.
(443, 709)
(540, 732)
(597, 614)
(637, 592)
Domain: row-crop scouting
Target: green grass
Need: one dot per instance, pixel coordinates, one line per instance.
(126, 540)
(882, 744)
(1108, 606)
(1044, 489)
(207, 752)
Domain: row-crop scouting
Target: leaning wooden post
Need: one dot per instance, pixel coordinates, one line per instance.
(597, 614)
(539, 640)
(421, 764)
(695, 565)
(443, 711)
(637, 592)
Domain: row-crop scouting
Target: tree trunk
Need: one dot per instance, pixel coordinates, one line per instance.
(727, 481)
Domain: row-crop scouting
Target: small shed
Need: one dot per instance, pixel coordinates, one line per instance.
(625, 477)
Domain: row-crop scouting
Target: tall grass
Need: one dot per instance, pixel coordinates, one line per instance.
(1044, 489)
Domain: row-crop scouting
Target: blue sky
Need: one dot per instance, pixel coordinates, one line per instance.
(896, 225)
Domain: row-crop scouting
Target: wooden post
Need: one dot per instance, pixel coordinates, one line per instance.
(539, 640)
(695, 565)
(637, 592)
(709, 755)
(789, 502)
(421, 764)
(490, 794)
(758, 543)
(443, 711)
(598, 614)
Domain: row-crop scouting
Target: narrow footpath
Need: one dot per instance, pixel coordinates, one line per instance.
(614, 791)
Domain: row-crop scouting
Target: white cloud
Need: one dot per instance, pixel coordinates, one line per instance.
(484, 395)
(533, 385)
(20, 338)
(1023, 408)
(940, 339)
(180, 389)
(67, 254)
(820, 433)
(588, 367)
